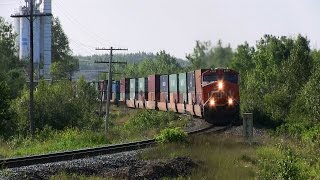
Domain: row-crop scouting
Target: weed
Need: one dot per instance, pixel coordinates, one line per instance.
(170, 135)
(219, 156)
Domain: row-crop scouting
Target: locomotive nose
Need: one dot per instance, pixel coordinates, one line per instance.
(220, 85)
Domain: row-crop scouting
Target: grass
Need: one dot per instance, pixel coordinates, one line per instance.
(69, 139)
(121, 130)
(219, 156)
(285, 158)
(65, 176)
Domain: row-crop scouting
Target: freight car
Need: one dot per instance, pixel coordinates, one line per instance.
(212, 94)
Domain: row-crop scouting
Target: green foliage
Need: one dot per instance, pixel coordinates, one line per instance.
(146, 119)
(10, 66)
(6, 125)
(58, 105)
(49, 140)
(64, 64)
(312, 136)
(163, 63)
(206, 56)
(281, 162)
(220, 156)
(170, 135)
(272, 76)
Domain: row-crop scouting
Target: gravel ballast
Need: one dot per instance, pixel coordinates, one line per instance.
(120, 166)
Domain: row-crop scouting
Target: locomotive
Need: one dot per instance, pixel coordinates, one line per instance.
(211, 94)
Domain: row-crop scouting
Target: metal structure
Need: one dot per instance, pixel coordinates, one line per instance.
(248, 126)
(30, 16)
(42, 35)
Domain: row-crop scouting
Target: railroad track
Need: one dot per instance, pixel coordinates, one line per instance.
(90, 152)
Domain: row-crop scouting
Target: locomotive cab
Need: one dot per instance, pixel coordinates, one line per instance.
(220, 94)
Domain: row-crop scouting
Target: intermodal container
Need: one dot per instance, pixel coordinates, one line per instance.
(116, 87)
(173, 88)
(183, 88)
(164, 97)
(198, 80)
(103, 88)
(173, 83)
(116, 90)
(191, 81)
(164, 83)
(143, 89)
(124, 89)
(191, 87)
(164, 88)
(154, 88)
(133, 89)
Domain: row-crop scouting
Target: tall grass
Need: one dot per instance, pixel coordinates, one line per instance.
(219, 157)
(54, 141)
(125, 126)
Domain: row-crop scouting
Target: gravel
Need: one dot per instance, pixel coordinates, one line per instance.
(124, 165)
(196, 124)
(238, 131)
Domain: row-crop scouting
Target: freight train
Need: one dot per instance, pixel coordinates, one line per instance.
(212, 94)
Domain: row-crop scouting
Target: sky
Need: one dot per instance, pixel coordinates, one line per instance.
(175, 25)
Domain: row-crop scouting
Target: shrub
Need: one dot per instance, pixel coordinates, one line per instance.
(59, 105)
(280, 162)
(169, 135)
(146, 119)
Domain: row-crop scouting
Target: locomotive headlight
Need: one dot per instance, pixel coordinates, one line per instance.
(220, 85)
(212, 102)
(230, 101)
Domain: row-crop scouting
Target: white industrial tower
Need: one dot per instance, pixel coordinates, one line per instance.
(42, 36)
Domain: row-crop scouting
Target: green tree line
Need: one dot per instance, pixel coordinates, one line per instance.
(279, 79)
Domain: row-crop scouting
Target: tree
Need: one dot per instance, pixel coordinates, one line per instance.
(6, 123)
(199, 57)
(61, 53)
(207, 56)
(59, 105)
(242, 60)
(272, 75)
(11, 69)
(220, 56)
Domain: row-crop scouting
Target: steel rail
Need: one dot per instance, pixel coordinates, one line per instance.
(85, 153)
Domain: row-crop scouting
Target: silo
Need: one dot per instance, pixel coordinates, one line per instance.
(24, 50)
(47, 37)
(17, 28)
(36, 39)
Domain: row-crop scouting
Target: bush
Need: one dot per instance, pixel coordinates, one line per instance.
(49, 140)
(280, 163)
(59, 105)
(169, 135)
(146, 119)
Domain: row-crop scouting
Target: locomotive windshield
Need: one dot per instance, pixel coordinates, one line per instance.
(233, 78)
(209, 78)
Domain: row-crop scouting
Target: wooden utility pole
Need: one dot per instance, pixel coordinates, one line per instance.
(111, 49)
(31, 104)
(31, 113)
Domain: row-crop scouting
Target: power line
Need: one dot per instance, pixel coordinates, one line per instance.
(73, 20)
(83, 47)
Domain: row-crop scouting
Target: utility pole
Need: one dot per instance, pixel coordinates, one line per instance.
(31, 102)
(111, 49)
(31, 113)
